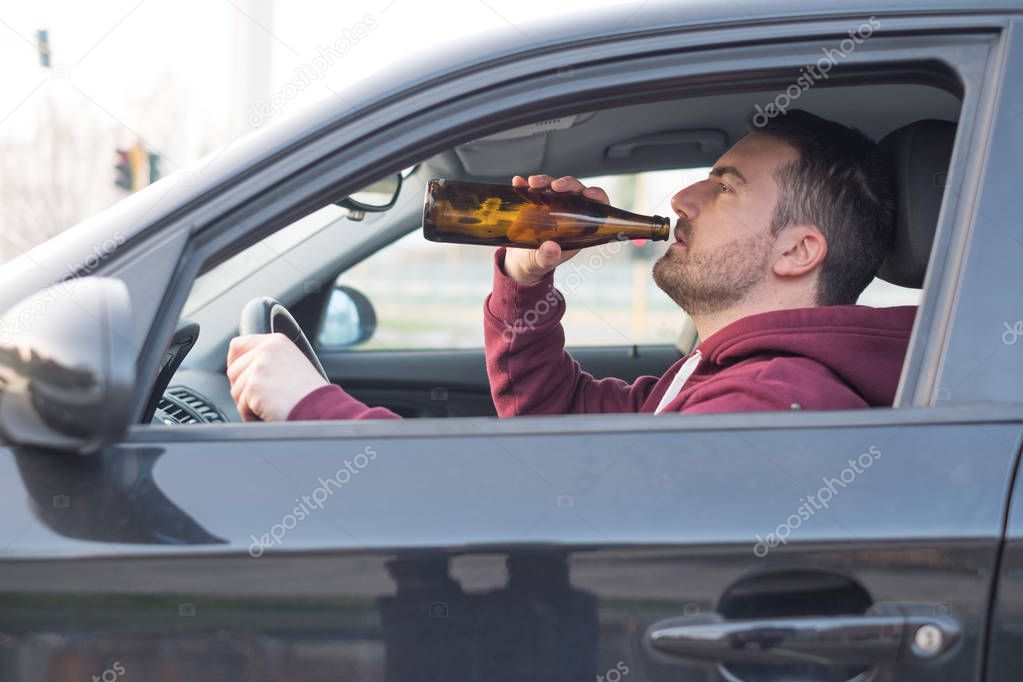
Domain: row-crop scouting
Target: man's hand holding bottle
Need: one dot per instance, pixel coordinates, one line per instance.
(527, 266)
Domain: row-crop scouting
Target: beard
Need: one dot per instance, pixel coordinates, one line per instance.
(707, 282)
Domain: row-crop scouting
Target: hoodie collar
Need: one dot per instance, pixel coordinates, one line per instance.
(864, 346)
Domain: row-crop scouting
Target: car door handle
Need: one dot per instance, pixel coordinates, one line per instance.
(874, 638)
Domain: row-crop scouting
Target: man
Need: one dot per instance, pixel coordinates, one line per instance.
(771, 252)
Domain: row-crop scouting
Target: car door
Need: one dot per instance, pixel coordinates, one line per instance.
(535, 548)
(1006, 634)
(601, 546)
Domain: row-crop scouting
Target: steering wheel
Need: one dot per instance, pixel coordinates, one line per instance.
(265, 315)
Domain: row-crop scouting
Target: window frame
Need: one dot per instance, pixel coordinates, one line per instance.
(652, 69)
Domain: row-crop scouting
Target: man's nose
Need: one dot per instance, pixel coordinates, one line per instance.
(687, 201)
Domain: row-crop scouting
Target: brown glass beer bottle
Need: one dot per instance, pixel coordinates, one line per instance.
(502, 215)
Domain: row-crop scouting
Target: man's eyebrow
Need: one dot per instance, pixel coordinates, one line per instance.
(720, 171)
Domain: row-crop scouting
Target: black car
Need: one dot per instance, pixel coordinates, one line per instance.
(147, 534)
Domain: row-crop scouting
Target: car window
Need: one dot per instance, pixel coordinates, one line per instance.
(430, 296)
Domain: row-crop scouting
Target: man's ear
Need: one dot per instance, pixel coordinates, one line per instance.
(801, 248)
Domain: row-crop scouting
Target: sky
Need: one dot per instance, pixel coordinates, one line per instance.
(120, 56)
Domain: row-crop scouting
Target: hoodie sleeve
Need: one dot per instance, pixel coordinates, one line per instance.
(332, 402)
(529, 370)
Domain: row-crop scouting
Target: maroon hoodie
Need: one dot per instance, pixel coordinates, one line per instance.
(823, 358)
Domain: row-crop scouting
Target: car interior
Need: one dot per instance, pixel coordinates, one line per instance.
(398, 323)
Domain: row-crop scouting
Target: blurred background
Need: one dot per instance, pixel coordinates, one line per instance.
(100, 98)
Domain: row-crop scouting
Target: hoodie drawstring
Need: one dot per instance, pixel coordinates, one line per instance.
(675, 387)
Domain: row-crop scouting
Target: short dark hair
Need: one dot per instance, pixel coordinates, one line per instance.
(843, 184)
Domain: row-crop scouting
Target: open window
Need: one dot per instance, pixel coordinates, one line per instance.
(397, 320)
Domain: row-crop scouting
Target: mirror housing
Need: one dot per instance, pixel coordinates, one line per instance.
(67, 367)
(348, 319)
(378, 197)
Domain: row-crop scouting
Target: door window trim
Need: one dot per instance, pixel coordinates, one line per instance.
(580, 425)
(599, 84)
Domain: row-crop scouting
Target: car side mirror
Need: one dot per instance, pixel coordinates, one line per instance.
(67, 367)
(378, 197)
(348, 319)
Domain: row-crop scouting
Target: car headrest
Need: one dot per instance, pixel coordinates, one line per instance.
(920, 152)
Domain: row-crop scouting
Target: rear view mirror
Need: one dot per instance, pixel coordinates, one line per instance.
(67, 368)
(379, 196)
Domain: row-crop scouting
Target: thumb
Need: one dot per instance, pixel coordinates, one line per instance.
(548, 255)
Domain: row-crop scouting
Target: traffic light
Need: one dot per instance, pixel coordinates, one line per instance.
(134, 168)
(43, 45)
(154, 167)
(123, 169)
(139, 166)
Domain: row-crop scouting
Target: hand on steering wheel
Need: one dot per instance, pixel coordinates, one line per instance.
(265, 315)
(272, 366)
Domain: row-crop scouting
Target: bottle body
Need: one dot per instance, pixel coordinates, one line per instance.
(502, 215)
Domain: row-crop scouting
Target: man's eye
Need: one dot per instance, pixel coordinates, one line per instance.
(723, 187)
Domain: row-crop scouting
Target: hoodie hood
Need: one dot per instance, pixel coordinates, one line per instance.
(863, 346)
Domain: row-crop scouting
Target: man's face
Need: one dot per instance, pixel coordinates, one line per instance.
(723, 246)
